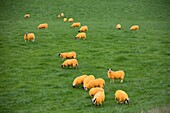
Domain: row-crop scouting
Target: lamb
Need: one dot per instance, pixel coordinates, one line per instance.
(41, 26)
(70, 62)
(121, 97)
(83, 29)
(93, 91)
(134, 27)
(118, 26)
(65, 19)
(67, 55)
(81, 35)
(29, 36)
(115, 75)
(95, 83)
(79, 80)
(98, 98)
(26, 15)
(62, 14)
(70, 20)
(87, 80)
(76, 24)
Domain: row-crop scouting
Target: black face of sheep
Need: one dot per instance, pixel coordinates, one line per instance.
(126, 101)
(78, 30)
(62, 66)
(109, 69)
(59, 55)
(73, 86)
(94, 101)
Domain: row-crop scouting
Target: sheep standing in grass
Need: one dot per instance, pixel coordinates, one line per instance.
(41, 26)
(65, 19)
(62, 14)
(26, 15)
(95, 83)
(58, 16)
(70, 20)
(87, 80)
(118, 26)
(115, 75)
(83, 29)
(98, 98)
(121, 97)
(79, 80)
(76, 24)
(70, 62)
(81, 35)
(67, 55)
(135, 27)
(29, 36)
(93, 91)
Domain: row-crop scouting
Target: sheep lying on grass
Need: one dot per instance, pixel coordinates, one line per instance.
(29, 36)
(70, 20)
(65, 19)
(70, 62)
(67, 55)
(76, 24)
(118, 26)
(79, 80)
(95, 83)
(41, 26)
(134, 27)
(115, 75)
(26, 15)
(81, 35)
(98, 98)
(121, 97)
(93, 91)
(83, 29)
(87, 80)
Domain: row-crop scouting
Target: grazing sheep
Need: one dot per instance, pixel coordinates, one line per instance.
(98, 98)
(83, 29)
(58, 16)
(70, 62)
(95, 83)
(115, 75)
(62, 14)
(81, 35)
(65, 19)
(79, 80)
(93, 91)
(67, 55)
(76, 24)
(87, 80)
(118, 26)
(26, 15)
(134, 27)
(29, 36)
(41, 26)
(70, 20)
(121, 97)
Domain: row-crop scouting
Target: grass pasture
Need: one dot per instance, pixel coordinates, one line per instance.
(32, 80)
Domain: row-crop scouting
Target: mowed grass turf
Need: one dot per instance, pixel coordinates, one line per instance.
(32, 80)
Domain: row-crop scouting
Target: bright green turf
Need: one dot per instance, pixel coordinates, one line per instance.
(32, 80)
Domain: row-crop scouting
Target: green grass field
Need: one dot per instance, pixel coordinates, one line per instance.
(32, 80)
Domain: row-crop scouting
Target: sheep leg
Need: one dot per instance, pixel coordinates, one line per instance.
(121, 81)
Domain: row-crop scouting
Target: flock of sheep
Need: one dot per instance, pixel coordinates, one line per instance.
(94, 85)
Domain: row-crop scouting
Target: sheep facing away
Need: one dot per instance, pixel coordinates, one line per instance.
(58, 16)
(121, 97)
(93, 91)
(115, 75)
(80, 35)
(118, 26)
(87, 80)
(70, 20)
(83, 29)
(67, 55)
(76, 24)
(134, 27)
(62, 14)
(65, 19)
(79, 80)
(29, 36)
(98, 98)
(70, 62)
(41, 26)
(26, 15)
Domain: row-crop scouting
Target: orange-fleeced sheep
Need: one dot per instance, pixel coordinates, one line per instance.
(115, 75)
(134, 27)
(79, 80)
(98, 98)
(81, 35)
(121, 97)
(87, 80)
(67, 55)
(118, 26)
(26, 15)
(95, 83)
(41, 26)
(29, 36)
(70, 20)
(76, 24)
(83, 29)
(93, 91)
(70, 62)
